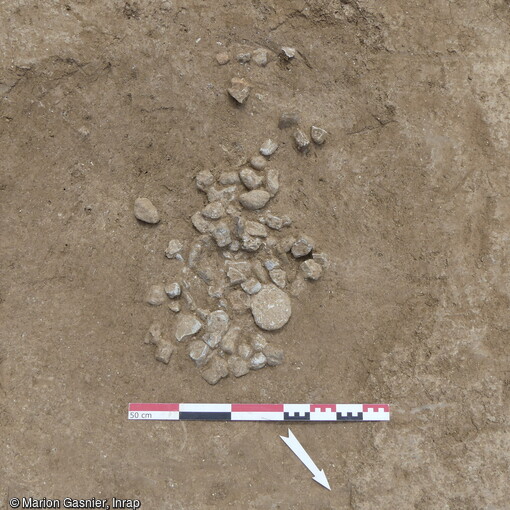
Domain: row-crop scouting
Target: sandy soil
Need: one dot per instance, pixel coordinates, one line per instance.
(104, 101)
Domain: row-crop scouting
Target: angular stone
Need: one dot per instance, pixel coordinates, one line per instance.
(288, 119)
(302, 247)
(145, 211)
(174, 306)
(268, 147)
(251, 286)
(238, 366)
(271, 308)
(204, 180)
(238, 272)
(260, 57)
(243, 58)
(245, 351)
(164, 352)
(188, 325)
(274, 355)
(311, 269)
(255, 199)
(285, 244)
(321, 258)
(217, 369)
(258, 162)
(156, 295)
(194, 254)
(229, 178)
(229, 341)
(173, 249)
(257, 361)
(258, 342)
(153, 336)
(239, 301)
(274, 222)
(223, 195)
(222, 58)
(256, 229)
(200, 223)
(271, 264)
(288, 53)
(221, 235)
(251, 244)
(239, 90)
(250, 179)
(216, 327)
(301, 140)
(279, 277)
(173, 290)
(259, 271)
(199, 352)
(213, 211)
(318, 135)
(297, 287)
(272, 181)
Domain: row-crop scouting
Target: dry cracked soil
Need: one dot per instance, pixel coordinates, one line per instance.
(105, 101)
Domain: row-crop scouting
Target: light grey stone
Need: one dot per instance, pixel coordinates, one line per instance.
(271, 308)
(217, 325)
(199, 352)
(271, 264)
(258, 361)
(251, 244)
(321, 258)
(217, 369)
(260, 57)
(229, 341)
(258, 342)
(156, 295)
(288, 53)
(200, 223)
(268, 147)
(256, 229)
(221, 234)
(146, 211)
(229, 178)
(238, 366)
(251, 286)
(279, 277)
(302, 247)
(250, 179)
(311, 269)
(204, 180)
(174, 306)
(173, 290)
(285, 244)
(255, 199)
(245, 351)
(213, 211)
(223, 195)
(301, 140)
(194, 254)
(273, 355)
(239, 301)
(258, 162)
(318, 135)
(153, 336)
(164, 352)
(239, 90)
(243, 58)
(188, 325)
(173, 249)
(222, 58)
(259, 271)
(272, 181)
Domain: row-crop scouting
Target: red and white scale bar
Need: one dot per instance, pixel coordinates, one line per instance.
(260, 412)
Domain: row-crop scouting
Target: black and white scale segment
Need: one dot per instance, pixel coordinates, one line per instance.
(261, 412)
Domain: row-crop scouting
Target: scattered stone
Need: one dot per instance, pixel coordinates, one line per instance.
(233, 210)
(239, 301)
(213, 211)
(288, 119)
(217, 369)
(239, 90)
(274, 356)
(279, 277)
(271, 264)
(238, 366)
(251, 244)
(255, 199)
(204, 180)
(243, 58)
(318, 135)
(238, 272)
(194, 254)
(288, 53)
(199, 352)
(272, 182)
(302, 247)
(301, 140)
(174, 306)
(268, 147)
(258, 361)
(229, 341)
(234, 246)
(173, 290)
(256, 229)
(297, 287)
(164, 352)
(228, 178)
(216, 327)
(321, 258)
(173, 249)
(156, 295)
(277, 223)
(271, 308)
(258, 162)
(259, 271)
(258, 342)
(200, 223)
(286, 244)
(215, 291)
(260, 57)
(222, 58)
(145, 211)
(245, 351)
(251, 286)
(250, 179)
(311, 269)
(153, 336)
(223, 195)
(221, 235)
(188, 325)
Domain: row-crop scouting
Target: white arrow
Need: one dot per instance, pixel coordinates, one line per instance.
(318, 475)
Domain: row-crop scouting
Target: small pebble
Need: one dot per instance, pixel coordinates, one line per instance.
(256, 229)
(156, 295)
(288, 119)
(217, 369)
(174, 306)
(301, 140)
(153, 336)
(272, 182)
(303, 246)
(260, 57)
(251, 244)
(229, 341)
(238, 272)
(194, 254)
(250, 179)
(259, 271)
(311, 269)
(322, 259)
(228, 178)
(243, 58)
(279, 277)
(268, 147)
(288, 53)
(255, 199)
(221, 235)
(213, 211)
(173, 290)
(258, 342)
(200, 223)
(234, 246)
(145, 211)
(271, 308)
(286, 244)
(173, 249)
(239, 90)
(251, 286)
(258, 162)
(164, 352)
(199, 352)
(188, 325)
(271, 264)
(245, 351)
(238, 366)
(318, 135)
(277, 223)
(204, 180)
(274, 355)
(222, 58)
(258, 361)
(224, 194)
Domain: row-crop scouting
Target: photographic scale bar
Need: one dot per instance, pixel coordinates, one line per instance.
(260, 412)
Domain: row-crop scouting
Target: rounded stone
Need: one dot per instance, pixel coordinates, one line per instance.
(271, 308)
(145, 211)
(255, 199)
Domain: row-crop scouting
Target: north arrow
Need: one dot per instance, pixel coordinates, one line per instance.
(318, 475)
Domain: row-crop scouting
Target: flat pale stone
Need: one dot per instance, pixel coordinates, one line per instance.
(271, 308)
(229, 341)
(260, 57)
(256, 229)
(200, 223)
(164, 352)
(204, 180)
(238, 366)
(188, 325)
(216, 369)
(318, 135)
(268, 147)
(272, 181)
(255, 199)
(173, 290)
(258, 361)
(222, 58)
(239, 90)
(273, 355)
(301, 140)
(146, 211)
(311, 269)
(250, 179)
(303, 246)
(199, 352)
(156, 295)
(258, 162)
(173, 249)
